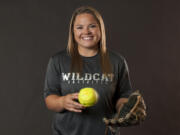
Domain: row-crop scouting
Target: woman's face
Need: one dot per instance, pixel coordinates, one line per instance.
(86, 31)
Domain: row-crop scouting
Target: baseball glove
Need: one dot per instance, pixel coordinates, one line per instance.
(132, 113)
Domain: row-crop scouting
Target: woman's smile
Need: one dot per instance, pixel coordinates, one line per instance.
(87, 38)
(87, 33)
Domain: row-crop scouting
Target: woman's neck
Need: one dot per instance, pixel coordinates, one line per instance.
(88, 52)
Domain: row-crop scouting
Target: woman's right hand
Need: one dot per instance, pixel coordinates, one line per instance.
(70, 104)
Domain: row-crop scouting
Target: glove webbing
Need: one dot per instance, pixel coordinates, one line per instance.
(106, 131)
(126, 111)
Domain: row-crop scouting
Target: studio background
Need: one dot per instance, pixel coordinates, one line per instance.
(146, 33)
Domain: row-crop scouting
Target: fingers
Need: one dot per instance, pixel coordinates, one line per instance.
(70, 103)
(74, 106)
(74, 110)
(74, 96)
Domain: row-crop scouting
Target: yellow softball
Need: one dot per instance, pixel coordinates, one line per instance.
(88, 96)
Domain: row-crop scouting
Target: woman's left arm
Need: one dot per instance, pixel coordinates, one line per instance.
(120, 103)
(124, 88)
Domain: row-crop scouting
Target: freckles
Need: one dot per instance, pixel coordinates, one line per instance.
(76, 33)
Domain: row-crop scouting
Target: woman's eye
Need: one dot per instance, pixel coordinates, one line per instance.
(92, 26)
(79, 27)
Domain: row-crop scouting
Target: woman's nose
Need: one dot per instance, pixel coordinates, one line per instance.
(86, 31)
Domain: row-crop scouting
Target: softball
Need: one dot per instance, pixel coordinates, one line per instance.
(88, 97)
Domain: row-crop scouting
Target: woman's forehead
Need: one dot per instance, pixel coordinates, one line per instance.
(85, 18)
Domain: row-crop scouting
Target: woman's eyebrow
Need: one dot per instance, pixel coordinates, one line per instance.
(78, 25)
(93, 24)
(88, 24)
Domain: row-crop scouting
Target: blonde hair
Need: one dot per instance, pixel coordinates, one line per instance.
(76, 64)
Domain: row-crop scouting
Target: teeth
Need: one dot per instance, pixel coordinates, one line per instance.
(87, 38)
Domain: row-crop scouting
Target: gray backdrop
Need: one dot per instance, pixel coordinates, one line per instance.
(146, 32)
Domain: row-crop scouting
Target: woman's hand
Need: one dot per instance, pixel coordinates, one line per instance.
(70, 104)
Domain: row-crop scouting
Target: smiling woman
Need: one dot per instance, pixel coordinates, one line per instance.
(86, 62)
(87, 34)
(87, 37)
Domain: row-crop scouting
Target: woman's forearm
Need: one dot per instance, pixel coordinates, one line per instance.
(120, 103)
(54, 103)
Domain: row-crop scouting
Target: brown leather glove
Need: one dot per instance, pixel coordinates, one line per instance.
(132, 113)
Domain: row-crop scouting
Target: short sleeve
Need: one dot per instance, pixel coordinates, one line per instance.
(52, 79)
(123, 88)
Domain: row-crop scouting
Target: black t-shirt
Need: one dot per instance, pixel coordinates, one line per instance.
(60, 81)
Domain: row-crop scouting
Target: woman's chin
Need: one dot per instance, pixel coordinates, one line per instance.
(88, 46)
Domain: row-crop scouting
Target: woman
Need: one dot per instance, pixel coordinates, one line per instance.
(85, 63)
